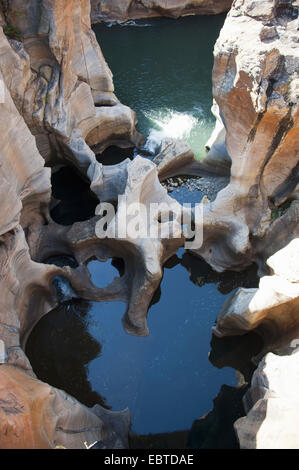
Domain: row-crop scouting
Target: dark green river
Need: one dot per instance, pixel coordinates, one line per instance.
(162, 69)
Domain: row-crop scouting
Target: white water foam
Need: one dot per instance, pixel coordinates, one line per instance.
(131, 23)
(170, 124)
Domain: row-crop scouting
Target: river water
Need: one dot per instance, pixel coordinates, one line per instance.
(162, 69)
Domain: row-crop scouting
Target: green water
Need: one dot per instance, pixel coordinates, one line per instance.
(162, 69)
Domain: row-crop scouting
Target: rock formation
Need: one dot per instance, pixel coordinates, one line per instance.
(271, 405)
(58, 103)
(60, 82)
(255, 85)
(143, 256)
(272, 309)
(105, 10)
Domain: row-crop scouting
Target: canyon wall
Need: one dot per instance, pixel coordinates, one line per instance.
(55, 90)
(255, 85)
(255, 218)
(114, 10)
(271, 402)
(57, 105)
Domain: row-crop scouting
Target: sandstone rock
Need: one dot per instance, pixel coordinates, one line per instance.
(35, 415)
(254, 85)
(272, 405)
(56, 90)
(175, 158)
(127, 9)
(272, 309)
(143, 253)
(217, 159)
(24, 182)
(62, 86)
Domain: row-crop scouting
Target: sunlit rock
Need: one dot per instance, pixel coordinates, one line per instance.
(272, 309)
(254, 84)
(272, 405)
(35, 415)
(217, 159)
(63, 86)
(127, 9)
(144, 251)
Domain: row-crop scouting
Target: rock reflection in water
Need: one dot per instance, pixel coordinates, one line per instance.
(60, 348)
(166, 379)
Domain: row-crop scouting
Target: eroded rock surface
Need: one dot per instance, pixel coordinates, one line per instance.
(131, 9)
(272, 405)
(60, 82)
(56, 92)
(272, 309)
(255, 85)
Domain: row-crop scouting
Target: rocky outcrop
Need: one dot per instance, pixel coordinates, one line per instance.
(60, 82)
(35, 415)
(271, 402)
(217, 159)
(272, 405)
(272, 309)
(113, 236)
(255, 85)
(107, 10)
(56, 94)
(58, 104)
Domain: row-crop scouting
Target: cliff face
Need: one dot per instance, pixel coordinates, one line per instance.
(56, 89)
(57, 103)
(271, 403)
(59, 80)
(107, 10)
(255, 85)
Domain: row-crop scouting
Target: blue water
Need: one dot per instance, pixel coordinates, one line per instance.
(165, 379)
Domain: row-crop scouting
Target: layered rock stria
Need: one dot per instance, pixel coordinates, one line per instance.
(105, 10)
(255, 85)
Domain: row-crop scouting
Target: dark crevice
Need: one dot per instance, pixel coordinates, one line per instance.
(76, 201)
(114, 155)
(287, 186)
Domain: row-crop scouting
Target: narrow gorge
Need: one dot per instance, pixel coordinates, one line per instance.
(186, 335)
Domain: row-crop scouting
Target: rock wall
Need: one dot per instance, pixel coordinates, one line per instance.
(272, 309)
(55, 90)
(107, 10)
(255, 85)
(255, 218)
(57, 104)
(60, 82)
(272, 405)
